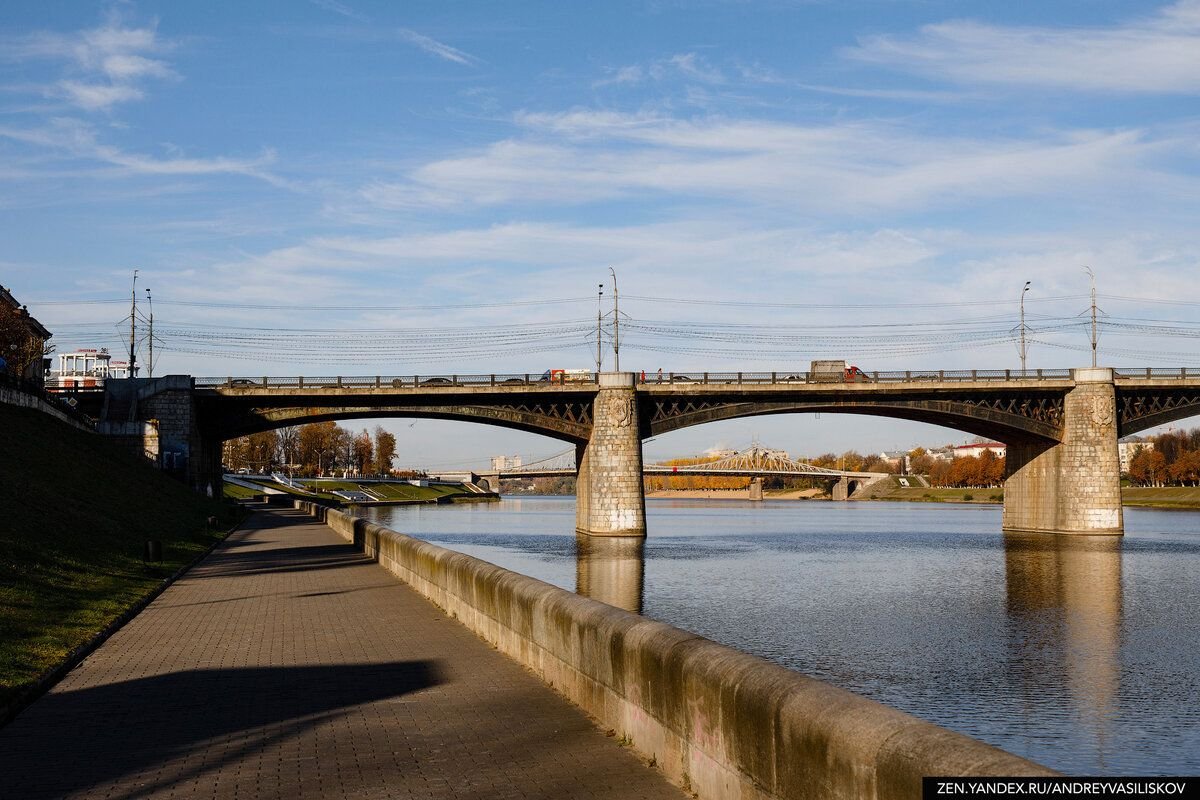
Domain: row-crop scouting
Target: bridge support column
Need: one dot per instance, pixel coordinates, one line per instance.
(1073, 486)
(609, 496)
(841, 489)
(756, 488)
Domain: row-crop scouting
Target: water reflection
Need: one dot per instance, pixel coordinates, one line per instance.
(611, 569)
(1064, 596)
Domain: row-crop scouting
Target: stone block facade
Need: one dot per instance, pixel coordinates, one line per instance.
(1073, 486)
(610, 497)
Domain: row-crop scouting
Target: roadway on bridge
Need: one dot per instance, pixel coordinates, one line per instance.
(287, 664)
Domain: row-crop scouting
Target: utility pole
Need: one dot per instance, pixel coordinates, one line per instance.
(1023, 291)
(1092, 275)
(150, 338)
(599, 323)
(616, 324)
(132, 322)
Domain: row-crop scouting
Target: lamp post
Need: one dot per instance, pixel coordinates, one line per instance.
(1023, 291)
(616, 324)
(599, 321)
(1092, 275)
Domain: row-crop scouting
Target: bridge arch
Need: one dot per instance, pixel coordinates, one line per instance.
(1012, 420)
(230, 426)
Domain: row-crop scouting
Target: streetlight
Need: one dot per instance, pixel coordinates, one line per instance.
(599, 337)
(1092, 275)
(1023, 291)
(616, 324)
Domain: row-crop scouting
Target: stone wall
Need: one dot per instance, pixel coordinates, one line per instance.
(609, 494)
(15, 397)
(1073, 486)
(720, 723)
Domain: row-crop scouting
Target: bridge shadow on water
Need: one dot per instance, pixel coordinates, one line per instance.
(154, 732)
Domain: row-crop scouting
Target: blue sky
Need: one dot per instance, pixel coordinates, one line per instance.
(781, 165)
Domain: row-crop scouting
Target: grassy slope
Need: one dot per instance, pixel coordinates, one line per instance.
(390, 491)
(76, 512)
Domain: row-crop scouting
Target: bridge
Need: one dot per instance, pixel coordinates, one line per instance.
(755, 463)
(1061, 426)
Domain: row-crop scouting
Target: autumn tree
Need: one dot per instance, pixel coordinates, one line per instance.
(317, 446)
(385, 450)
(364, 452)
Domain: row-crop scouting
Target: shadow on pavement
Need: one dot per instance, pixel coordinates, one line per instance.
(201, 720)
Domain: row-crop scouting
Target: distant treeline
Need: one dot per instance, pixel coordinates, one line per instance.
(324, 447)
(1170, 459)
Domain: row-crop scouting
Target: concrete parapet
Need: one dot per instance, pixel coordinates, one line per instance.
(721, 723)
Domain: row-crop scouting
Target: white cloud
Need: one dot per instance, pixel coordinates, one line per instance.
(434, 47)
(104, 66)
(1155, 54)
(73, 139)
(339, 8)
(584, 157)
(97, 97)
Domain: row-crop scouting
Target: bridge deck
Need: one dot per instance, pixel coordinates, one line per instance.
(289, 665)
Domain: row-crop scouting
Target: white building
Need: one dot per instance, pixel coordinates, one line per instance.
(976, 450)
(505, 462)
(1126, 450)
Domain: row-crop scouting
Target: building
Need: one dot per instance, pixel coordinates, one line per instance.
(506, 462)
(1128, 448)
(22, 341)
(977, 449)
(86, 369)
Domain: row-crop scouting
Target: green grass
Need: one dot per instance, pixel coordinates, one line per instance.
(1164, 497)
(76, 512)
(920, 494)
(235, 492)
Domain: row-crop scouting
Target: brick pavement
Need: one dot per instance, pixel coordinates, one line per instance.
(288, 665)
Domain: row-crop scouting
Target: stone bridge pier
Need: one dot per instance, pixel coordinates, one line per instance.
(609, 496)
(1071, 486)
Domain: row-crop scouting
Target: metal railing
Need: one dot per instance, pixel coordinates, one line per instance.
(649, 379)
(777, 377)
(1157, 373)
(60, 400)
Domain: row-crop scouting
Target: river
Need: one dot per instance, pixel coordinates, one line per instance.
(1080, 653)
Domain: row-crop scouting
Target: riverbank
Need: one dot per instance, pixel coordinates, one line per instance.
(77, 513)
(1184, 498)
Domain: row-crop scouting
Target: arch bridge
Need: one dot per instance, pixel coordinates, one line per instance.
(1061, 426)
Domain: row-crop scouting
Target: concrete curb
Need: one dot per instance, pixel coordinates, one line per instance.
(47, 679)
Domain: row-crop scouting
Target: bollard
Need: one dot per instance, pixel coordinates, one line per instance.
(152, 551)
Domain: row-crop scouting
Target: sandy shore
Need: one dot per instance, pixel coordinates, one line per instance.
(731, 494)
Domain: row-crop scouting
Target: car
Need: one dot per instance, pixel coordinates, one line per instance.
(682, 379)
(437, 382)
(241, 382)
(513, 382)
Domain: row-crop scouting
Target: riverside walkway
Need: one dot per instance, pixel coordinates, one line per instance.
(289, 665)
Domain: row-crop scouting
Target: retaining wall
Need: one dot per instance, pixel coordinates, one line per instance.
(16, 397)
(721, 723)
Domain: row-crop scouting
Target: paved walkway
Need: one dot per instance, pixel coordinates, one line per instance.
(289, 665)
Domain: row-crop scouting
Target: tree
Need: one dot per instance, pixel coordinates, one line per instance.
(287, 441)
(20, 347)
(316, 446)
(385, 450)
(364, 452)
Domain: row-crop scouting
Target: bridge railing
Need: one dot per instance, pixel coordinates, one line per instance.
(893, 376)
(649, 379)
(1156, 373)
